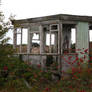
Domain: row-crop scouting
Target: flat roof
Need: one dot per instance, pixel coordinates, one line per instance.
(64, 17)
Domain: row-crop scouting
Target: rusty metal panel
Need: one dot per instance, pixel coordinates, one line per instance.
(82, 41)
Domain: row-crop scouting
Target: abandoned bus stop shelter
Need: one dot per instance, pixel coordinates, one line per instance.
(51, 36)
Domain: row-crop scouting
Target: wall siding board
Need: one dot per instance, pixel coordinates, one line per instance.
(82, 37)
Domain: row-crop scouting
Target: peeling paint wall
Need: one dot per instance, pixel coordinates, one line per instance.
(82, 41)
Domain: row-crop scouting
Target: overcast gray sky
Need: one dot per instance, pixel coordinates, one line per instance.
(35, 8)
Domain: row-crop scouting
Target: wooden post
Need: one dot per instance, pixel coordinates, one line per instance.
(42, 46)
(14, 38)
(50, 43)
(59, 46)
(61, 39)
(44, 39)
(56, 42)
(69, 36)
(21, 41)
(41, 39)
(28, 45)
(30, 41)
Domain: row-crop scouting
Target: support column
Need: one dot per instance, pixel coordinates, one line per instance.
(41, 39)
(59, 46)
(14, 38)
(42, 46)
(28, 45)
(21, 41)
(69, 36)
(56, 42)
(50, 44)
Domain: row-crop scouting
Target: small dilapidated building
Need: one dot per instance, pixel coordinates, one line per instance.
(50, 37)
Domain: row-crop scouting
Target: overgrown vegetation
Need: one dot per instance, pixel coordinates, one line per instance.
(18, 76)
(15, 74)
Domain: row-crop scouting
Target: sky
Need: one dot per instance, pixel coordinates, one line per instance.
(35, 8)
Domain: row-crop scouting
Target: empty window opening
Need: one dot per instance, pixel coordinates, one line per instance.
(35, 43)
(18, 43)
(22, 40)
(18, 39)
(73, 40)
(90, 43)
(73, 36)
(25, 35)
(51, 36)
(50, 40)
(36, 38)
(18, 36)
(18, 30)
(90, 35)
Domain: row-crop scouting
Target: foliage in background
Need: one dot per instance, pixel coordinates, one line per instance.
(5, 49)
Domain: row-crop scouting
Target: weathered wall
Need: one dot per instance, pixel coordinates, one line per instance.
(33, 59)
(68, 61)
(82, 39)
(82, 42)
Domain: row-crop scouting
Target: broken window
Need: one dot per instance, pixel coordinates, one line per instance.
(73, 40)
(51, 39)
(21, 40)
(36, 38)
(35, 42)
(48, 37)
(24, 40)
(90, 35)
(18, 40)
(25, 35)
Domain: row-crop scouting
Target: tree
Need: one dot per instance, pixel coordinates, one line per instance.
(10, 66)
(5, 49)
